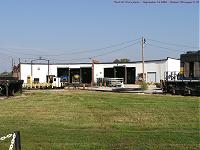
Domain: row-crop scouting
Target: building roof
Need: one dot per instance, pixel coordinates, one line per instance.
(146, 61)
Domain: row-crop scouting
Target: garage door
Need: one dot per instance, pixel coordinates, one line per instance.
(151, 77)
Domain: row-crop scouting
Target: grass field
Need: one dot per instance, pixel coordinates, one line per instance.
(94, 120)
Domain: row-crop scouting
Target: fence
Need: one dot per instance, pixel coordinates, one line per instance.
(15, 141)
(172, 75)
(111, 82)
(37, 85)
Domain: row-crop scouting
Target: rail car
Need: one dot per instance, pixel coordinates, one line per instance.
(10, 85)
(187, 81)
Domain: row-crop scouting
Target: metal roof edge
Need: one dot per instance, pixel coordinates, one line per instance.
(147, 61)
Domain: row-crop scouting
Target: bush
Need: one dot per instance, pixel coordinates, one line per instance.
(143, 85)
(158, 85)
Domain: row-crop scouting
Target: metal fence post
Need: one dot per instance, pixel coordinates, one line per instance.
(17, 141)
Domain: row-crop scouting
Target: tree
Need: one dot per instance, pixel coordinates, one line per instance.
(116, 61)
(5, 73)
(123, 60)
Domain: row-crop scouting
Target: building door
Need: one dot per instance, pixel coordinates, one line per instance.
(151, 77)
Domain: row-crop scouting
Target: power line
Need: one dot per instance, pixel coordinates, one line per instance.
(164, 47)
(117, 49)
(177, 45)
(75, 52)
(100, 54)
(107, 47)
(98, 49)
(4, 59)
(5, 54)
(15, 53)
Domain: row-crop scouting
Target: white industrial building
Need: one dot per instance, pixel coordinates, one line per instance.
(130, 71)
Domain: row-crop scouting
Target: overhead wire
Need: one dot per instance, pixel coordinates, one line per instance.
(172, 44)
(169, 49)
(116, 50)
(71, 53)
(101, 49)
(98, 49)
(15, 53)
(99, 55)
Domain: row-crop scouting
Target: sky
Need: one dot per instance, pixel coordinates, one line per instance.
(69, 31)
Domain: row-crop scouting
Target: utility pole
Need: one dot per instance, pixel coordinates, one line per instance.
(143, 41)
(48, 67)
(93, 63)
(12, 63)
(12, 66)
(92, 73)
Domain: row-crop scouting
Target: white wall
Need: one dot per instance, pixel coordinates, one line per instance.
(38, 71)
(25, 70)
(41, 70)
(153, 66)
(173, 65)
(98, 71)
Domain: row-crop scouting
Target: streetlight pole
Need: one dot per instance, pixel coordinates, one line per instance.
(40, 58)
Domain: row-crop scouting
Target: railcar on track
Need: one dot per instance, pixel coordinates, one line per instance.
(10, 85)
(187, 81)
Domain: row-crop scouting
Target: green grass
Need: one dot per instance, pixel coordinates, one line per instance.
(94, 120)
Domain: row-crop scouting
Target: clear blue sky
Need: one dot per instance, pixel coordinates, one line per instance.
(46, 28)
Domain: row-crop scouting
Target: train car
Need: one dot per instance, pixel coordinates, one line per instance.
(10, 85)
(187, 81)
